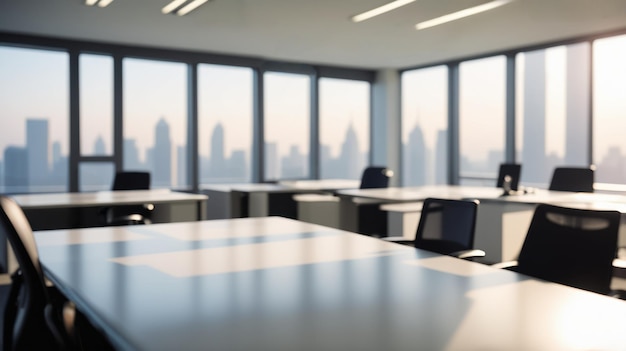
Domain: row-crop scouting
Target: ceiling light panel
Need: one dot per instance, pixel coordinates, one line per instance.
(172, 6)
(100, 3)
(461, 14)
(190, 7)
(182, 7)
(380, 10)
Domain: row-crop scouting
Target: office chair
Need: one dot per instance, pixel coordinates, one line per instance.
(513, 170)
(129, 214)
(31, 319)
(579, 179)
(446, 227)
(375, 177)
(569, 246)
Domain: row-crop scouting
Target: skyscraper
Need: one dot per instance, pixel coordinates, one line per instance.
(271, 161)
(16, 169)
(162, 155)
(37, 150)
(217, 166)
(99, 147)
(441, 157)
(415, 158)
(350, 157)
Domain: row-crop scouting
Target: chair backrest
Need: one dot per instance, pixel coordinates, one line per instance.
(446, 226)
(375, 177)
(578, 179)
(25, 325)
(570, 246)
(512, 170)
(131, 181)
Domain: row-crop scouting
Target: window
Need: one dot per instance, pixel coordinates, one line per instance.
(482, 118)
(225, 123)
(34, 130)
(287, 125)
(96, 176)
(552, 110)
(344, 127)
(609, 109)
(155, 120)
(425, 126)
(96, 105)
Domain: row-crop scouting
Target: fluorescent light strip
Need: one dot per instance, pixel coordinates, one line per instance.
(104, 3)
(91, 2)
(190, 7)
(461, 14)
(380, 10)
(172, 6)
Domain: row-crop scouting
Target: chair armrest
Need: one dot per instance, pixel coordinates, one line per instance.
(465, 254)
(510, 265)
(619, 263)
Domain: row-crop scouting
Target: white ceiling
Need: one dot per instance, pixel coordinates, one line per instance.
(318, 31)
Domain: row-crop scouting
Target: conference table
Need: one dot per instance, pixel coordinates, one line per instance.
(79, 210)
(274, 284)
(502, 221)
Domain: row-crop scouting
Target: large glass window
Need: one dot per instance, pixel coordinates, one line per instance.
(96, 105)
(425, 126)
(155, 120)
(225, 123)
(95, 176)
(287, 125)
(34, 128)
(552, 110)
(482, 118)
(344, 127)
(609, 109)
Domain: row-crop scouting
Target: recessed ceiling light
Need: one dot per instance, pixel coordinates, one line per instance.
(172, 6)
(190, 7)
(180, 7)
(461, 14)
(104, 3)
(380, 10)
(101, 3)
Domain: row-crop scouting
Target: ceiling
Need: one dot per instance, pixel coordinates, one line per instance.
(319, 31)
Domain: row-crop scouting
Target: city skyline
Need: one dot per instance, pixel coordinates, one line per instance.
(52, 165)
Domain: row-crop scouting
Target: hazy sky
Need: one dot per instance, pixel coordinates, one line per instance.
(34, 84)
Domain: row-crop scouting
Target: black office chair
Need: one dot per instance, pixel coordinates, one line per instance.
(579, 179)
(32, 320)
(513, 171)
(129, 214)
(371, 219)
(570, 246)
(375, 177)
(446, 227)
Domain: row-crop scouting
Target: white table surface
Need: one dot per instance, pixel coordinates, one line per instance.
(278, 284)
(103, 198)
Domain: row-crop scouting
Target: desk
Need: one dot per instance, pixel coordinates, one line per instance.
(80, 210)
(321, 184)
(502, 221)
(56, 211)
(278, 284)
(349, 217)
(262, 199)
